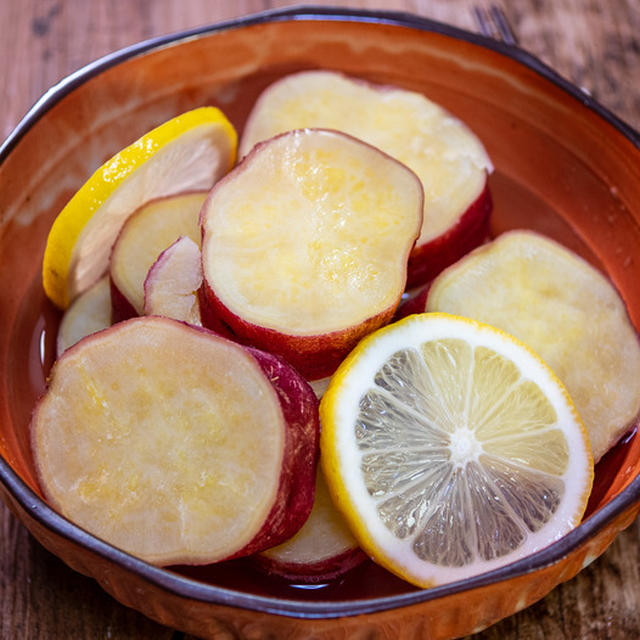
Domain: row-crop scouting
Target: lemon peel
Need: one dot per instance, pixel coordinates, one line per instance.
(73, 261)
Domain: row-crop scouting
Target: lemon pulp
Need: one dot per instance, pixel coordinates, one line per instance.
(452, 449)
(471, 486)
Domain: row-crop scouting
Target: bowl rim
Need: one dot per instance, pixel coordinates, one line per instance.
(182, 586)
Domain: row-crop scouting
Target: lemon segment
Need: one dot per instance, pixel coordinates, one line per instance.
(187, 153)
(452, 449)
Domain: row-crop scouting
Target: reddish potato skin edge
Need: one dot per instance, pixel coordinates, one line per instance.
(210, 320)
(470, 230)
(296, 491)
(324, 570)
(314, 356)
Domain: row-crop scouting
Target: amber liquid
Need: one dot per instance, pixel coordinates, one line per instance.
(36, 331)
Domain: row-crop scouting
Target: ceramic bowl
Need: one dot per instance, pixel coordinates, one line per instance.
(564, 166)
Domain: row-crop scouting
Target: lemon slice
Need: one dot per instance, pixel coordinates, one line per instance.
(187, 153)
(452, 449)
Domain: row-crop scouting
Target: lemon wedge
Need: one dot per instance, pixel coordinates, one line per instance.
(452, 449)
(187, 153)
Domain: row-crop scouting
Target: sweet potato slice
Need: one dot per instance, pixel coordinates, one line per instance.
(172, 284)
(305, 245)
(323, 549)
(88, 313)
(176, 445)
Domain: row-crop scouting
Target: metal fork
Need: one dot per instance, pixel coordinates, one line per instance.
(493, 23)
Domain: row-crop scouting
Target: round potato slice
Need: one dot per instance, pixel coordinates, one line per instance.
(176, 445)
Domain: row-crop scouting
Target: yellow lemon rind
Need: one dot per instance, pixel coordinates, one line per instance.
(70, 222)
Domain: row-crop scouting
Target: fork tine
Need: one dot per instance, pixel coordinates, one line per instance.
(494, 24)
(502, 24)
(482, 21)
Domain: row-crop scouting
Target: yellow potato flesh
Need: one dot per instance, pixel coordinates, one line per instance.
(447, 157)
(161, 439)
(311, 234)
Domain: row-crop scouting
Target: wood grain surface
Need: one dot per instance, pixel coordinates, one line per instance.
(594, 43)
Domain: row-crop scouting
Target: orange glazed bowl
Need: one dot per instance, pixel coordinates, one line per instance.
(564, 166)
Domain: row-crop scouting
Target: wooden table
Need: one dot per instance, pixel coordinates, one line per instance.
(594, 43)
